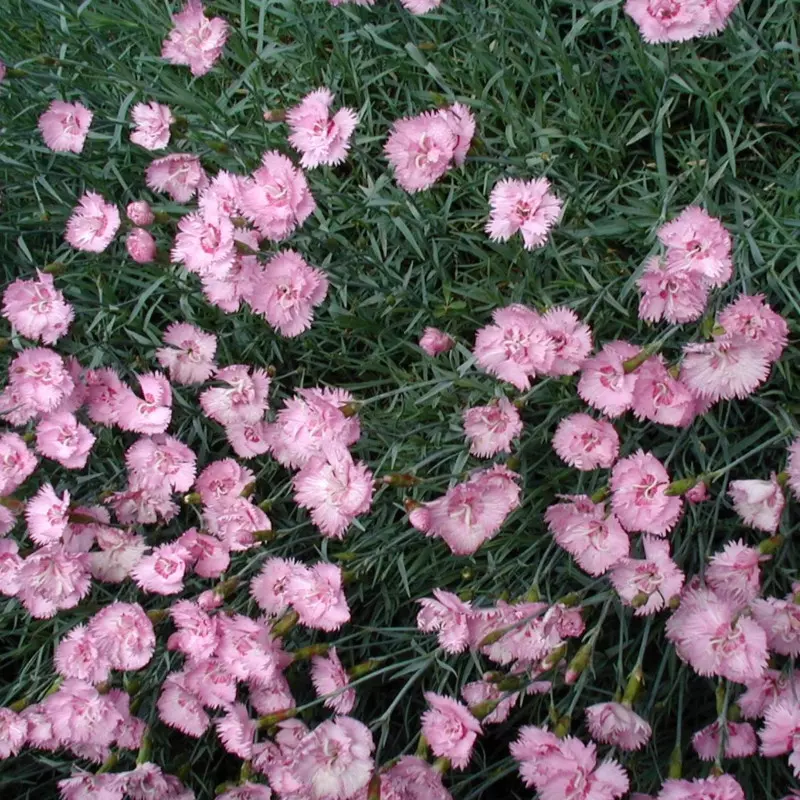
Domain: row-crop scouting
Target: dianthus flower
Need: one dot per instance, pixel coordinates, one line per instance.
(195, 40)
(205, 244)
(140, 213)
(244, 399)
(61, 437)
(123, 635)
(93, 223)
(572, 340)
(316, 595)
(37, 309)
(161, 460)
(331, 681)
(780, 619)
(248, 439)
(448, 616)
(237, 730)
(740, 740)
(210, 557)
(180, 708)
(65, 126)
(720, 787)
(648, 584)
(527, 207)
(734, 573)
(659, 397)
(151, 413)
(604, 384)
(151, 121)
(450, 729)
(490, 429)
(17, 463)
(269, 588)
(47, 515)
(235, 522)
(162, 571)
(320, 137)
(40, 381)
(180, 175)
(750, 316)
(434, 342)
(141, 246)
(104, 389)
(618, 725)
(781, 732)
(189, 354)
(119, 553)
(485, 691)
(412, 778)
(759, 503)
(671, 292)
(586, 443)
(223, 480)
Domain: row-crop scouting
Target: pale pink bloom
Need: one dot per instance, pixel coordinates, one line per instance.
(237, 730)
(527, 207)
(309, 421)
(211, 682)
(715, 639)
(450, 729)
(270, 586)
(479, 692)
(420, 6)
(659, 397)
(189, 356)
(148, 782)
(61, 437)
(618, 725)
(37, 309)
(671, 292)
(740, 741)
(244, 399)
(750, 316)
(180, 175)
(734, 573)
(141, 246)
(719, 11)
(237, 285)
(180, 708)
(195, 41)
(71, 403)
(161, 460)
(320, 137)
(162, 571)
(88, 786)
(317, 596)
(223, 480)
(335, 489)
(334, 761)
(124, 635)
(491, 428)
(648, 584)
(223, 197)
(276, 696)
(151, 121)
(247, 791)
(65, 126)
(276, 198)
(571, 338)
(40, 729)
(638, 485)
(104, 389)
(197, 632)
(47, 515)
(235, 523)
(470, 513)
(138, 505)
(13, 731)
(119, 553)
(434, 342)
(586, 443)
(248, 439)
(722, 787)
(52, 579)
(780, 619)
(732, 366)
(330, 678)
(286, 292)
(205, 244)
(247, 649)
(80, 715)
(7, 520)
(759, 503)
(77, 656)
(93, 223)
(209, 556)
(17, 463)
(762, 692)
(411, 778)
(593, 537)
(41, 381)
(151, 413)
(140, 213)
(515, 347)
(604, 384)
(694, 239)
(781, 732)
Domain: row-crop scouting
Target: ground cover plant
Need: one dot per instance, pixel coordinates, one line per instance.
(399, 399)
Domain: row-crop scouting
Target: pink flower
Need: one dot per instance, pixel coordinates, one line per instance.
(286, 292)
(648, 584)
(335, 489)
(450, 729)
(210, 680)
(17, 463)
(124, 635)
(162, 460)
(750, 316)
(244, 399)
(671, 292)
(714, 639)
(47, 515)
(781, 732)
(237, 731)
(334, 761)
(740, 741)
(277, 198)
(180, 175)
(320, 137)
(420, 6)
(759, 503)
(694, 239)
(669, 20)
(93, 224)
(316, 595)
(223, 480)
(180, 709)
(210, 557)
(104, 389)
(61, 437)
(65, 126)
(765, 690)
(195, 41)
(638, 485)
(205, 244)
(586, 443)
(140, 213)
(197, 633)
(604, 384)
(247, 791)
(479, 692)
(141, 246)
(235, 523)
(39, 381)
(80, 715)
(162, 571)
(780, 619)
(309, 421)
(515, 347)
(37, 309)
(13, 730)
(411, 778)
(527, 207)
(618, 725)
(594, 538)
(659, 397)
(51, 579)
(248, 439)
(571, 338)
(448, 617)
(470, 513)
(434, 342)
(119, 553)
(330, 678)
(270, 586)
(734, 573)
(189, 356)
(151, 413)
(152, 121)
(491, 428)
(138, 505)
(722, 787)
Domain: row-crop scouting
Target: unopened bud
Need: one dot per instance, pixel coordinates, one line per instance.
(108, 764)
(244, 249)
(192, 499)
(675, 764)
(304, 653)
(349, 409)
(401, 479)
(513, 463)
(600, 495)
(554, 657)
(674, 602)
(441, 765)
(734, 712)
(157, 615)
(282, 626)
(374, 790)
(274, 114)
(20, 705)
(634, 685)
(510, 683)
(532, 595)
(264, 536)
(483, 709)
(145, 749)
(636, 361)
(55, 268)
(467, 574)
(579, 662)
(639, 599)
(769, 546)
(226, 588)
(422, 747)
(12, 504)
(410, 505)
(680, 487)
(248, 489)
(562, 726)
(364, 668)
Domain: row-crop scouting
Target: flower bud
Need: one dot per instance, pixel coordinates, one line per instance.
(141, 246)
(140, 213)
